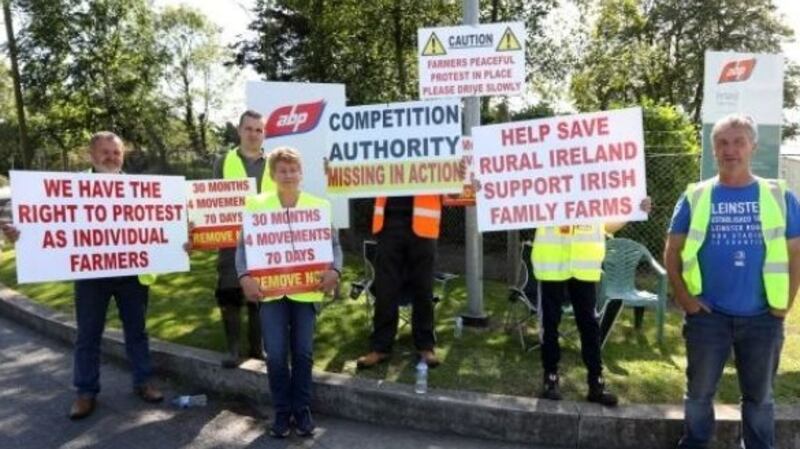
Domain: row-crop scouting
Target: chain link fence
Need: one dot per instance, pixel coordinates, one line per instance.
(667, 177)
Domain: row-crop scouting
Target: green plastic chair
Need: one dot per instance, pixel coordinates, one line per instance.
(623, 257)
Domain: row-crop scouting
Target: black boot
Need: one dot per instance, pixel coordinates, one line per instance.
(256, 345)
(600, 395)
(231, 322)
(550, 388)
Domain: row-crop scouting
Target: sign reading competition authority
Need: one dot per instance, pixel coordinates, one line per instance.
(394, 149)
(215, 210)
(471, 61)
(288, 250)
(578, 169)
(83, 225)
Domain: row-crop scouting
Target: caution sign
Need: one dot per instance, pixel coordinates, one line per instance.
(508, 42)
(472, 61)
(434, 47)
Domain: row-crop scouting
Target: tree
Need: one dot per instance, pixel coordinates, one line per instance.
(192, 43)
(646, 49)
(13, 55)
(369, 46)
(91, 65)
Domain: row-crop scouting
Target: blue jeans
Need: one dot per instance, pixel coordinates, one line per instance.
(756, 343)
(288, 326)
(91, 304)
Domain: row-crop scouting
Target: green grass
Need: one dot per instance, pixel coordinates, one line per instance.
(183, 310)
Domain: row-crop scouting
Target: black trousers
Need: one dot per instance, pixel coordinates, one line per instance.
(404, 266)
(584, 299)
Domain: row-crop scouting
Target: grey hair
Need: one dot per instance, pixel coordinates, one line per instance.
(104, 135)
(736, 121)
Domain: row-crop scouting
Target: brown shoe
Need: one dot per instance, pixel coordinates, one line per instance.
(82, 407)
(428, 356)
(371, 359)
(148, 393)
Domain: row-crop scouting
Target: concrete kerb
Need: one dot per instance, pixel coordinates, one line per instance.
(508, 418)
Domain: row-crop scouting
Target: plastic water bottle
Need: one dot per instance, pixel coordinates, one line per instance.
(186, 401)
(458, 327)
(421, 385)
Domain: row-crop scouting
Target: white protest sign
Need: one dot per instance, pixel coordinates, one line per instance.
(394, 149)
(577, 169)
(216, 208)
(471, 61)
(467, 195)
(746, 83)
(87, 225)
(287, 250)
(294, 115)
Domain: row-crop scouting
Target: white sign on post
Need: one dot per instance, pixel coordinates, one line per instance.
(568, 170)
(87, 225)
(295, 114)
(471, 61)
(395, 149)
(288, 250)
(216, 208)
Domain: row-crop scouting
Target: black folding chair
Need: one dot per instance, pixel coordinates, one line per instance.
(366, 286)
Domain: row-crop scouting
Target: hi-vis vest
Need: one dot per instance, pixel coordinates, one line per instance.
(771, 212)
(561, 253)
(233, 168)
(146, 279)
(267, 202)
(425, 218)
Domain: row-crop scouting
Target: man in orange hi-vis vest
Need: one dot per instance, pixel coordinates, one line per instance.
(406, 229)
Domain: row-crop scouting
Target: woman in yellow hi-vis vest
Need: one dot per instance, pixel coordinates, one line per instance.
(567, 261)
(287, 321)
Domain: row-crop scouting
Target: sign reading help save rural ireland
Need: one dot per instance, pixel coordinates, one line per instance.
(471, 61)
(287, 250)
(394, 149)
(568, 170)
(215, 210)
(86, 225)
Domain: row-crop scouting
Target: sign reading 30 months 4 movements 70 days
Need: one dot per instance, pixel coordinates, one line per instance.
(471, 61)
(215, 210)
(395, 149)
(287, 250)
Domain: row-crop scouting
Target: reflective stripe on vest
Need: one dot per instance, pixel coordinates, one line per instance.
(579, 253)
(771, 213)
(266, 202)
(426, 217)
(233, 168)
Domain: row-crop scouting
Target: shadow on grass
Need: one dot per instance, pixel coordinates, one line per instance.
(183, 310)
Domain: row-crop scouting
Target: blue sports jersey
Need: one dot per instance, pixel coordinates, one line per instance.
(733, 252)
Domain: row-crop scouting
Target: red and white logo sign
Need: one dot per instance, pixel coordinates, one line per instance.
(294, 119)
(736, 71)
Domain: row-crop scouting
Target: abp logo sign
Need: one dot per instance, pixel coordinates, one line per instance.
(736, 71)
(294, 119)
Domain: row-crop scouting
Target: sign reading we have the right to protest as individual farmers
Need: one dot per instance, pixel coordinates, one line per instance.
(568, 170)
(394, 149)
(287, 250)
(467, 195)
(90, 225)
(471, 60)
(215, 209)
